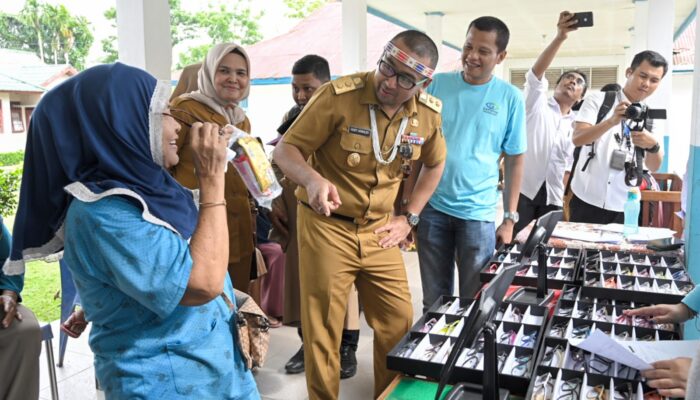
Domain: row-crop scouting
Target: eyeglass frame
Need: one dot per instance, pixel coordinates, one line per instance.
(550, 354)
(599, 393)
(529, 339)
(596, 360)
(572, 387)
(521, 363)
(511, 335)
(541, 383)
(394, 73)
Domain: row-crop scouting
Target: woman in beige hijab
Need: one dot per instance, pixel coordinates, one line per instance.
(223, 81)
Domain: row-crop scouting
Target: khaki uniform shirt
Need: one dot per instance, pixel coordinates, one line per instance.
(334, 134)
(238, 211)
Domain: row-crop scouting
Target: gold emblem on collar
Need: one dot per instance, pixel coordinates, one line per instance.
(414, 122)
(353, 159)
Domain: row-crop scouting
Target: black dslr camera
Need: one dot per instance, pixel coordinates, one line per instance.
(639, 114)
(639, 117)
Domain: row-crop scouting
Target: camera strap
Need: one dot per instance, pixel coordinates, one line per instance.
(604, 109)
(634, 171)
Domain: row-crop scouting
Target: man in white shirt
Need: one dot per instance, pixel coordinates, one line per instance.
(598, 185)
(549, 127)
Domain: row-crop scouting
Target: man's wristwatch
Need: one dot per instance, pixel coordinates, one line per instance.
(513, 216)
(412, 219)
(653, 149)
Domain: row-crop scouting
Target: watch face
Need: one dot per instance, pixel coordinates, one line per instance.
(412, 219)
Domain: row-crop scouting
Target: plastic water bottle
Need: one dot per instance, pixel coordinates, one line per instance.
(632, 211)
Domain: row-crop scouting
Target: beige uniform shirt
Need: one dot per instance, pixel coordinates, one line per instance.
(334, 134)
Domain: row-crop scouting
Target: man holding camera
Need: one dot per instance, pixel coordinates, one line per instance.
(607, 155)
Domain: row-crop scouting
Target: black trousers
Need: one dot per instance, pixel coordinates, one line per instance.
(532, 209)
(580, 211)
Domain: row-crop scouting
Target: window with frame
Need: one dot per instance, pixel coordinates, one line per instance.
(16, 118)
(597, 76)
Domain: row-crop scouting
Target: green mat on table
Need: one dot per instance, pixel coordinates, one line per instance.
(411, 389)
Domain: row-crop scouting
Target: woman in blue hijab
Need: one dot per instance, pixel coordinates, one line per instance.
(150, 268)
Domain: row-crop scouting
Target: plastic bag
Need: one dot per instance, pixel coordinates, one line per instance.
(248, 157)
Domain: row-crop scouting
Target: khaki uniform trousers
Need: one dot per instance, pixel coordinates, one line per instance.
(334, 254)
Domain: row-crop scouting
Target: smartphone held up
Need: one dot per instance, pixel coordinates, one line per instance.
(585, 19)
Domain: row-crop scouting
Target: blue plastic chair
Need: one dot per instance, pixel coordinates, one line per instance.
(69, 299)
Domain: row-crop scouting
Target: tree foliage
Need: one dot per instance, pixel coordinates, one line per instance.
(223, 23)
(300, 9)
(50, 31)
(9, 185)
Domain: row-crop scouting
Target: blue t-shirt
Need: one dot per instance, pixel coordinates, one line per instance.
(479, 122)
(131, 276)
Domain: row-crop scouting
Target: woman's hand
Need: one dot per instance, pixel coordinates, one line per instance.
(8, 302)
(662, 313)
(669, 377)
(209, 148)
(75, 324)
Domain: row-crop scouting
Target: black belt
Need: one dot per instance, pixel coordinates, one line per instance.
(341, 216)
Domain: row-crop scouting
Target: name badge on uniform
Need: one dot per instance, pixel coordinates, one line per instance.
(413, 138)
(359, 131)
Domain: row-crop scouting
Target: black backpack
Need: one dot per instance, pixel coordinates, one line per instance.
(602, 112)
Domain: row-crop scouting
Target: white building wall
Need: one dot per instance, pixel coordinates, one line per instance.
(267, 104)
(682, 100)
(13, 141)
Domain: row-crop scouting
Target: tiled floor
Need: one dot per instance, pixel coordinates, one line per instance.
(76, 379)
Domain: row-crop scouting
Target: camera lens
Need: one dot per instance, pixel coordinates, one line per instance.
(635, 112)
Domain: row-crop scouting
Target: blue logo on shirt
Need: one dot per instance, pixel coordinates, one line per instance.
(491, 108)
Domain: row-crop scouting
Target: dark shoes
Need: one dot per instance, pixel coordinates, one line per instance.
(348, 362)
(295, 365)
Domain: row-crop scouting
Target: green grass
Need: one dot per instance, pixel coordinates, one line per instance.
(42, 282)
(42, 285)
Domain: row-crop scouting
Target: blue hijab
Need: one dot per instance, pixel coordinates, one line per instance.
(95, 135)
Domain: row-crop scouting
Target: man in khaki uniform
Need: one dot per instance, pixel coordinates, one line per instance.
(359, 134)
(308, 74)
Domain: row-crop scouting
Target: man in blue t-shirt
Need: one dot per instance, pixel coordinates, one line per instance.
(482, 117)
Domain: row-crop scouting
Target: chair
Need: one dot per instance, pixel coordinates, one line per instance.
(69, 299)
(659, 207)
(46, 337)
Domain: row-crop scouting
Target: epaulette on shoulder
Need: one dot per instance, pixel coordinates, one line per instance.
(347, 84)
(431, 102)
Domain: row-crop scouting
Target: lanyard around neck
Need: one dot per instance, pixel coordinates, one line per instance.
(375, 138)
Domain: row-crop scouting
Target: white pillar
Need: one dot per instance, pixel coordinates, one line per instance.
(5, 111)
(661, 15)
(355, 36)
(653, 30)
(433, 28)
(641, 23)
(143, 32)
